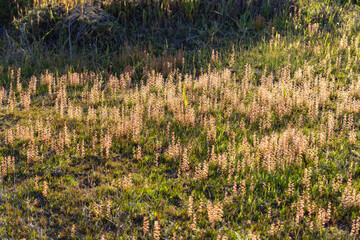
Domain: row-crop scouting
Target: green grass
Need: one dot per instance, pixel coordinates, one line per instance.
(264, 127)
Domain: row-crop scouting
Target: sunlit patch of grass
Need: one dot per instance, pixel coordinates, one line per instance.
(255, 141)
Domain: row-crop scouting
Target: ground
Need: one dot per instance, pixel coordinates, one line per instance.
(243, 126)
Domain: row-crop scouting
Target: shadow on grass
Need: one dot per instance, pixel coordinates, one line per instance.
(93, 36)
(177, 24)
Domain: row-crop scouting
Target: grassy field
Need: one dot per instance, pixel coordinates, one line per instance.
(188, 120)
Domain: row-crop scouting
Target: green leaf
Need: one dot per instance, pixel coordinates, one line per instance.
(184, 96)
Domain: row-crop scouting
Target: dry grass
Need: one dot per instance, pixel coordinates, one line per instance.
(232, 151)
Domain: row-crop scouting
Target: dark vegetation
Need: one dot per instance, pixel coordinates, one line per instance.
(159, 26)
